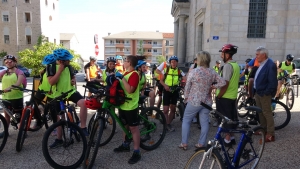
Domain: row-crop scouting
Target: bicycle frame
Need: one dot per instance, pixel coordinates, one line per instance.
(10, 113)
(111, 108)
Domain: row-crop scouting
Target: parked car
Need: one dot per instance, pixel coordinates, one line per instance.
(101, 64)
(24, 69)
(3, 68)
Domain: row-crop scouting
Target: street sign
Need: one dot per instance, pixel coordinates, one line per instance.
(96, 39)
(96, 50)
(215, 37)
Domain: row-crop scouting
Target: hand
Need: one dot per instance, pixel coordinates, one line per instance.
(7, 90)
(167, 88)
(119, 75)
(73, 81)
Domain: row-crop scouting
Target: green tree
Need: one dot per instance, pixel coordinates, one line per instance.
(160, 59)
(32, 59)
(3, 53)
(140, 49)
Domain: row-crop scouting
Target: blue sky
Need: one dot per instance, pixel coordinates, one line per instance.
(89, 17)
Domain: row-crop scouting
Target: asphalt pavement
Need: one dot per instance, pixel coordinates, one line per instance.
(283, 153)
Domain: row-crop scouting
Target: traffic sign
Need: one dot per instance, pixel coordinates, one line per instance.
(96, 39)
(215, 37)
(96, 50)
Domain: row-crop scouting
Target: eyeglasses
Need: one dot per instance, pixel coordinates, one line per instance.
(9, 61)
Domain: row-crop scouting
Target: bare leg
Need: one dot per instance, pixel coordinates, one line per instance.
(83, 113)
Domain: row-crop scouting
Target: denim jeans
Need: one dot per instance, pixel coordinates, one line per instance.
(189, 113)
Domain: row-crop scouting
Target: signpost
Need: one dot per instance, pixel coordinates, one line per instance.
(96, 50)
(96, 44)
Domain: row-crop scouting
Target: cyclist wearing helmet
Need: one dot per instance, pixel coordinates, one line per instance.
(62, 79)
(217, 66)
(110, 69)
(171, 76)
(226, 95)
(91, 69)
(148, 74)
(119, 64)
(287, 66)
(246, 73)
(141, 67)
(12, 76)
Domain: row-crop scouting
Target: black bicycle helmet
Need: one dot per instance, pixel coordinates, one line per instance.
(248, 60)
(110, 59)
(289, 57)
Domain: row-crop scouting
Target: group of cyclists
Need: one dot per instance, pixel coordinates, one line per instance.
(136, 79)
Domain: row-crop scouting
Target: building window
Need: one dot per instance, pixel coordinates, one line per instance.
(27, 1)
(53, 6)
(155, 50)
(62, 43)
(27, 17)
(149, 50)
(127, 41)
(6, 39)
(112, 42)
(257, 18)
(155, 43)
(167, 43)
(28, 39)
(4, 1)
(5, 18)
(149, 42)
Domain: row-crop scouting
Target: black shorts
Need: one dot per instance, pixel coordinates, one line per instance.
(170, 98)
(227, 107)
(39, 96)
(16, 104)
(129, 117)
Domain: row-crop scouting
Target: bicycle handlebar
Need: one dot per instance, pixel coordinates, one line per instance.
(226, 119)
(28, 90)
(62, 96)
(93, 90)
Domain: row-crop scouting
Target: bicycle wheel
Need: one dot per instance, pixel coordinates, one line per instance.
(94, 142)
(290, 96)
(109, 126)
(47, 118)
(241, 104)
(152, 128)
(23, 130)
(252, 149)
(70, 152)
(281, 114)
(3, 132)
(214, 162)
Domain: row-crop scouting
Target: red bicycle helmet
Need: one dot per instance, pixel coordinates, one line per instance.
(229, 48)
(92, 103)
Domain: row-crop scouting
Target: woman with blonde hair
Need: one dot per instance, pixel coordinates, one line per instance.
(198, 89)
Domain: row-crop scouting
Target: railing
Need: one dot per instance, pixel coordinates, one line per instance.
(109, 44)
(156, 45)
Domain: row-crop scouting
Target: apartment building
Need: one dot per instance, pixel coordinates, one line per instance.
(151, 44)
(23, 21)
(208, 25)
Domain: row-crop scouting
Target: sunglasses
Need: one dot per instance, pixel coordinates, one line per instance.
(9, 61)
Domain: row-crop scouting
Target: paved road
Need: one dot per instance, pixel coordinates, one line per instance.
(284, 153)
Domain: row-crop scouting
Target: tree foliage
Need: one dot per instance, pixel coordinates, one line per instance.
(32, 58)
(160, 59)
(140, 49)
(3, 53)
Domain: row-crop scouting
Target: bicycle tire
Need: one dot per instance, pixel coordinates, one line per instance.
(69, 147)
(290, 98)
(23, 130)
(151, 118)
(241, 104)
(195, 160)
(3, 132)
(281, 115)
(93, 143)
(47, 118)
(109, 126)
(252, 149)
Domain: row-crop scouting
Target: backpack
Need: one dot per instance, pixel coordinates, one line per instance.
(115, 93)
(24, 83)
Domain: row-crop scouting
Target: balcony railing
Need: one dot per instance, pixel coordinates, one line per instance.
(110, 44)
(156, 45)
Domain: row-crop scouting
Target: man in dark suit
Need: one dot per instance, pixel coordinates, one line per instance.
(265, 86)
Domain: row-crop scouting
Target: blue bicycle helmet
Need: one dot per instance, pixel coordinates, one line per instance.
(62, 54)
(140, 63)
(118, 57)
(49, 59)
(173, 58)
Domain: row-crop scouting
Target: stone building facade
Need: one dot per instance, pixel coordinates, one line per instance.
(34, 18)
(208, 25)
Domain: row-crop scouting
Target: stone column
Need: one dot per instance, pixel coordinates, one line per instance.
(181, 40)
(175, 38)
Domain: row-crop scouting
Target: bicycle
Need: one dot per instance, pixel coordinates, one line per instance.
(28, 115)
(248, 151)
(3, 130)
(281, 112)
(152, 127)
(287, 90)
(70, 153)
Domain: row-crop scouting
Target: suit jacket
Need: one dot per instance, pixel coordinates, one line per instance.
(266, 81)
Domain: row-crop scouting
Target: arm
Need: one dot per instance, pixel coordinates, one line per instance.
(88, 75)
(21, 77)
(188, 85)
(272, 80)
(131, 85)
(54, 79)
